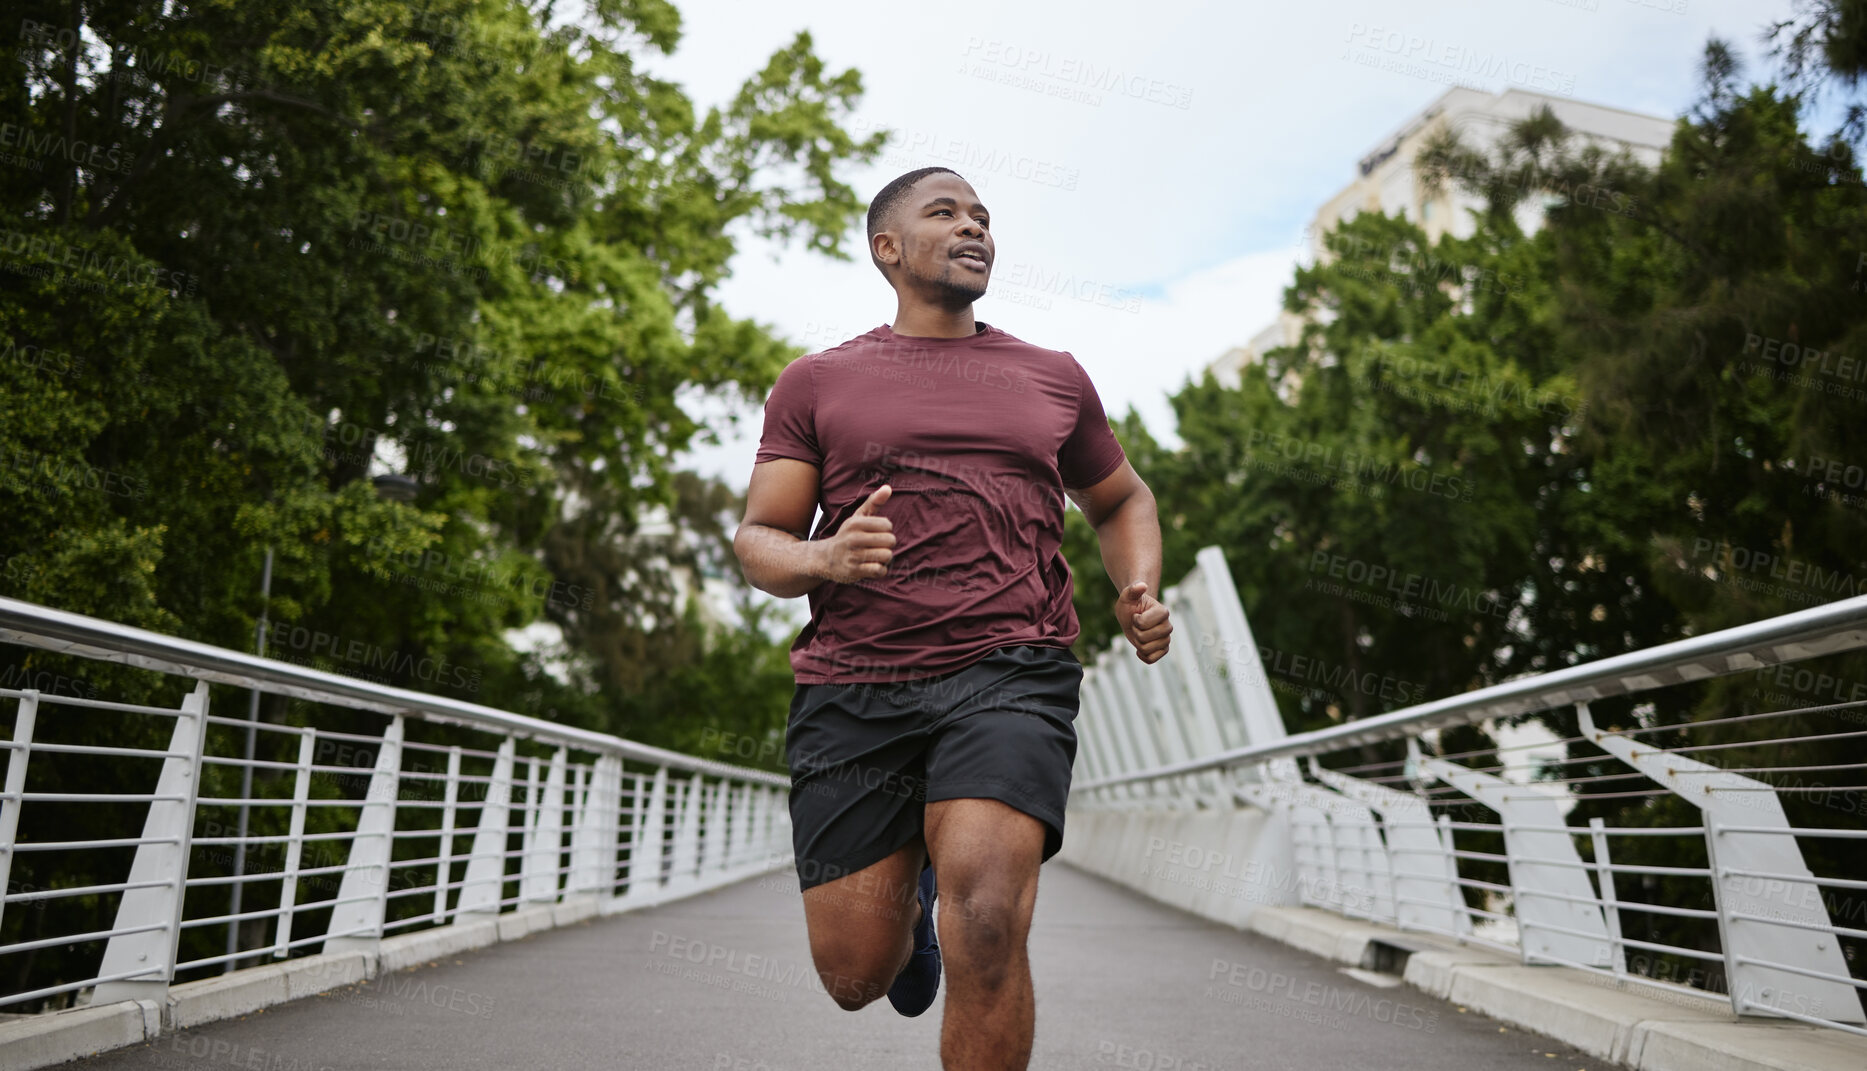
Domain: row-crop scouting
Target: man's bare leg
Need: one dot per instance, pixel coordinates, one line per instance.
(986, 856)
(862, 926)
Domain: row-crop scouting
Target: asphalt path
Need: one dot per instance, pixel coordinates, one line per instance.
(723, 981)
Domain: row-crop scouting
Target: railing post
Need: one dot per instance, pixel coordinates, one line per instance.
(609, 826)
(716, 827)
(649, 839)
(1769, 927)
(1251, 686)
(1111, 674)
(682, 873)
(765, 827)
(1558, 914)
(15, 785)
(583, 794)
(444, 870)
(1201, 723)
(1124, 752)
(547, 844)
(742, 829)
(1610, 903)
(1461, 913)
(155, 913)
(484, 885)
(529, 800)
(1092, 746)
(294, 843)
(362, 898)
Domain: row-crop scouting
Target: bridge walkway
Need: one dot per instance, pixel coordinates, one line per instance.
(1122, 982)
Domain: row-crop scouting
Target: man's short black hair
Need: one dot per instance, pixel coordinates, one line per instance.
(881, 210)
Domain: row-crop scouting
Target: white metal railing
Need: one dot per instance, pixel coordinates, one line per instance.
(1485, 853)
(449, 811)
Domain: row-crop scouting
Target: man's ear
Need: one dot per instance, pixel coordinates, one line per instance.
(886, 250)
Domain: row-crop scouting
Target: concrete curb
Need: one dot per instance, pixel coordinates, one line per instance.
(32, 1042)
(1318, 933)
(1636, 1026)
(414, 949)
(76, 1033)
(194, 1003)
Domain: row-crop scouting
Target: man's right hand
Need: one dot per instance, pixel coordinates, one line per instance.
(862, 548)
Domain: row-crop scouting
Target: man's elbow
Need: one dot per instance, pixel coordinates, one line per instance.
(1138, 502)
(745, 548)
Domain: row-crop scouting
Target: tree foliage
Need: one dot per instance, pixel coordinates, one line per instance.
(1512, 452)
(259, 255)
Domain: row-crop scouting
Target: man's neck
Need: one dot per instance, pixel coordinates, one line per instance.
(925, 321)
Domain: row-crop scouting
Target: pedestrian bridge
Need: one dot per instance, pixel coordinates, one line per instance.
(405, 880)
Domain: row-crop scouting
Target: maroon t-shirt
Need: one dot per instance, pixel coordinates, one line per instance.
(978, 437)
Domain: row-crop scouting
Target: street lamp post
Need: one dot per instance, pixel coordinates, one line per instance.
(246, 771)
(391, 486)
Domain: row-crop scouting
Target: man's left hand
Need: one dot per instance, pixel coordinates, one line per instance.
(1144, 621)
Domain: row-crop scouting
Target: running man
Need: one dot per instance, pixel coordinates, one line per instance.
(933, 727)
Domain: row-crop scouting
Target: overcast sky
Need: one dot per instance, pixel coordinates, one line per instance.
(1154, 225)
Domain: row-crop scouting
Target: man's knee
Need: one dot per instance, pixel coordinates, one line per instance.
(984, 932)
(849, 992)
(854, 978)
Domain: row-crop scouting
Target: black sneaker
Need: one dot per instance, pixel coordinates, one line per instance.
(918, 982)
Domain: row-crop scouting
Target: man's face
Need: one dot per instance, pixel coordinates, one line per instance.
(939, 243)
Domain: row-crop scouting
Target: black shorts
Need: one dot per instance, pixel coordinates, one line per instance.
(866, 759)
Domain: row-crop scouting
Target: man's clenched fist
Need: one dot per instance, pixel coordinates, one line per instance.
(1144, 621)
(863, 546)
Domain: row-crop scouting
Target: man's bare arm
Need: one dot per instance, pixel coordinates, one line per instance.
(773, 542)
(1121, 509)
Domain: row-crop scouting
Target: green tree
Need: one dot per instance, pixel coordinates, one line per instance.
(261, 253)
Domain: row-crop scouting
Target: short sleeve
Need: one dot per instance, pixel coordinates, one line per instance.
(791, 418)
(1091, 452)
